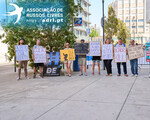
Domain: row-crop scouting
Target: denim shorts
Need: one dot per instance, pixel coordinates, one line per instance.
(96, 61)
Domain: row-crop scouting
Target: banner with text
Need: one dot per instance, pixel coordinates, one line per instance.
(31, 13)
(147, 51)
(52, 65)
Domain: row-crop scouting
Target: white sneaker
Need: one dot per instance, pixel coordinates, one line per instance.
(18, 78)
(132, 75)
(81, 74)
(40, 76)
(136, 75)
(27, 77)
(85, 74)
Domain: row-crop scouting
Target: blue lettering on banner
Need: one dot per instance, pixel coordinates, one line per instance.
(55, 58)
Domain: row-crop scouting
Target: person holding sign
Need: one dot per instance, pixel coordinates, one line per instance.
(67, 62)
(95, 51)
(25, 62)
(134, 62)
(107, 55)
(82, 61)
(40, 65)
(120, 44)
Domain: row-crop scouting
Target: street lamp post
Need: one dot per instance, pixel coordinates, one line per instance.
(103, 25)
(103, 22)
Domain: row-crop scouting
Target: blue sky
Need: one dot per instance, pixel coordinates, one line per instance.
(2, 8)
(96, 11)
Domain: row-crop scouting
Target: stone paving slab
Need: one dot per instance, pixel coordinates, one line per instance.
(76, 98)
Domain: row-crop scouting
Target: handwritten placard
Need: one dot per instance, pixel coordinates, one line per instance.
(39, 55)
(67, 55)
(81, 48)
(22, 53)
(136, 52)
(107, 52)
(95, 49)
(120, 54)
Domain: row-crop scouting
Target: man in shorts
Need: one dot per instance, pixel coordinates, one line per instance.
(40, 65)
(82, 62)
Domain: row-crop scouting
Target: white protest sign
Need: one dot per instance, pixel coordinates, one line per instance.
(95, 49)
(107, 52)
(120, 54)
(22, 53)
(39, 55)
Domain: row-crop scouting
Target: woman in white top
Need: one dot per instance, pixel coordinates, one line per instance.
(68, 63)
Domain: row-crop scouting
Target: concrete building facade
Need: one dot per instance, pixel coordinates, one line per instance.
(80, 31)
(148, 11)
(133, 13)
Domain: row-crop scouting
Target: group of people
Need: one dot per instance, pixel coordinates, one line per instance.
(108, 63)
(82, 61)
(25, 63)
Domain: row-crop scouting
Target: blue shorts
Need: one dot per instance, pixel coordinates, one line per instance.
(96, 61)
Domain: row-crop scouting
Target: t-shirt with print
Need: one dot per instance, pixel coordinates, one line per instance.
(37, 46)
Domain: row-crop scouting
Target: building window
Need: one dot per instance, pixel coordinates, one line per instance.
(80, 33)
(127, 20)
(133, 26)
(141, 20)
(134, 20)
(77, 32)
(140, 26)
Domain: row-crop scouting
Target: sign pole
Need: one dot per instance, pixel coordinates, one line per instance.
(149, 70)
(14, 63)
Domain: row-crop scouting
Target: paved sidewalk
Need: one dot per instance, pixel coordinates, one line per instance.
(76, 98)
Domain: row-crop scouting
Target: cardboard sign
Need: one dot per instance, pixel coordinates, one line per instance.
(120, 54)
(95, 49)
(81, 48)
(67, 55)
(107, 52)
(52, 67)
(39, 55)
(22, 52)
(136, 52)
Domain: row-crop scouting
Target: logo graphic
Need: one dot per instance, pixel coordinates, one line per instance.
(18, 12)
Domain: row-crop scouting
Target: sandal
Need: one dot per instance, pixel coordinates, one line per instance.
(92, 73)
